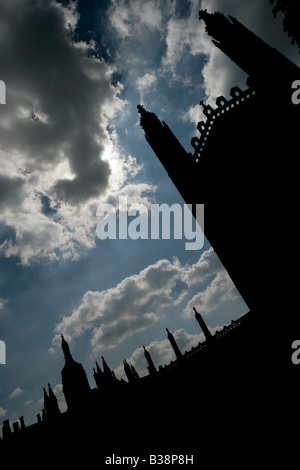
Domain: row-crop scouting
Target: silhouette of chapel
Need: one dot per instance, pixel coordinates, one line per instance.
(237, 168)
(243, 168)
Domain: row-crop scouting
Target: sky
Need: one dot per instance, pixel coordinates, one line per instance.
(70, 140)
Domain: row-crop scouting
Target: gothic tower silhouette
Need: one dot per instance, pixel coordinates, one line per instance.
(151, 367)
(203, 326)
(51, 404)
(266, 67)
(74, 380)
(130, 372)
(245, 152)
(174, 345)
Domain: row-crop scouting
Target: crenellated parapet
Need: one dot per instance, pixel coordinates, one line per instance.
(218, 338)
(223, 108)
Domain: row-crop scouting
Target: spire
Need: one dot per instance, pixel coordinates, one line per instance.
(107, 372)
(98, 375)
(215, 23)
(74, 380)
(151, 366)
(50, 392)
(134, 373)
(174, 345)
(46, 398)
(258, 60)
(149, 121)
(207, 333)
(130, 371)
(65, 348)
(50, 403)
(164, 143)
(98, 369)
(127, 370)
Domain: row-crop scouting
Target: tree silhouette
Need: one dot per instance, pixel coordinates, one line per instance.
(291, 18)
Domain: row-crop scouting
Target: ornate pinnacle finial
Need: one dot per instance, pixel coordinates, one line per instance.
(216, 24)
(204, 15)
(141, 110)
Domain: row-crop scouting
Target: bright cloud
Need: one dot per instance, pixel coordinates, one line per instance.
(139, 301)
(145, 84)
(184, 36)
(58, 392)
(119, 312)
(129, 19)
(220, 290)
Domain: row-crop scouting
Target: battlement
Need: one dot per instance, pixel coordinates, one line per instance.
(224, 106)
(203, 346)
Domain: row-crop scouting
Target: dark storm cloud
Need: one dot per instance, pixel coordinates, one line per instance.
(53, 131)
(10, 191)
(49, 75)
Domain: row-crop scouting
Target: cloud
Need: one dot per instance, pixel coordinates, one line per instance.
(57, 145)
(184, 36)
(145, 84)
(2, 412)
(15, 393)
(54, 78)
(207, 265)
(58, 392)
(119, 312)
(130, 20)
(220, 290)
(139, 301)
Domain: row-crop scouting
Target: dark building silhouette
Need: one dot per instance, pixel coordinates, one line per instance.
(235, 391)
(104, 412)
(243, 170)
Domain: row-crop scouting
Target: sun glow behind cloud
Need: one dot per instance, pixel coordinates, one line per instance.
(57, 140)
